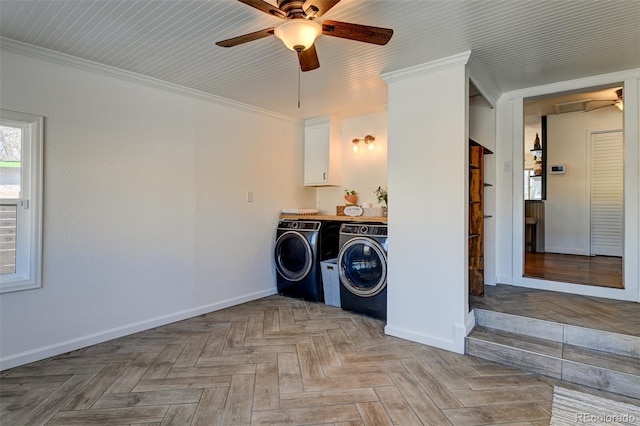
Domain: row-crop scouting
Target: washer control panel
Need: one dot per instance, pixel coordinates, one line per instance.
(300, 225)
(363, 229)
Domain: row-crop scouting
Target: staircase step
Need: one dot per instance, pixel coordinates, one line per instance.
(606, 360)
(516, 350)
(589, 338)
(521, 325)
(602, 360)
(601, 370)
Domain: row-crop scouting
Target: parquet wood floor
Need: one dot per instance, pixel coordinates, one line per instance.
(274, 361)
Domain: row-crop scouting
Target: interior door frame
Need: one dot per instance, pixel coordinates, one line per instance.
(631, 261)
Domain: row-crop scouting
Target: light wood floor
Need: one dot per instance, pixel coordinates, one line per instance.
(274, 361)
(617, 316)
(603, 271)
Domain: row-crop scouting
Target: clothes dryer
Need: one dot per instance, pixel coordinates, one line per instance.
(300, 247)
(362, 265)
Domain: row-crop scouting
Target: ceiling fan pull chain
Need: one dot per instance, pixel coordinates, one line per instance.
(299, 87)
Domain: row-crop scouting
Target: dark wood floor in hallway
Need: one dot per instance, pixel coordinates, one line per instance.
(274, 361)
(603, 271)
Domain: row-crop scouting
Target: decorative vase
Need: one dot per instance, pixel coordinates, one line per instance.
(536, 144)
(351, 199)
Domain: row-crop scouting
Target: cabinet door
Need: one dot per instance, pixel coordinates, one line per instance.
(316, 155)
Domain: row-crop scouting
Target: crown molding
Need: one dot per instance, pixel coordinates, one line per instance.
(483, 82)
(29, 50)
(580, 83)
(427, 68)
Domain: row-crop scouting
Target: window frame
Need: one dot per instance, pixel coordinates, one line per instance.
(28, 273)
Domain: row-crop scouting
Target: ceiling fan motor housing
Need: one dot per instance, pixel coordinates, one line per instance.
(293, 8)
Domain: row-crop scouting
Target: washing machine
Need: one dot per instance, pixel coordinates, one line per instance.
(300, 247)
(362, 266)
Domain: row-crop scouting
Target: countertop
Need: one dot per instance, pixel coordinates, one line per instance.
(335, 218)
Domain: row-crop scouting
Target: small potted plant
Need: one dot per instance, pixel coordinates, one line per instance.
(382, 195)
(351, 197)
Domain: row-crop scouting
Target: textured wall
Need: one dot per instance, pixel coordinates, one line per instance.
(145, 212)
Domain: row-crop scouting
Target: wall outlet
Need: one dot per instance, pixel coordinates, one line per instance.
(249, 197)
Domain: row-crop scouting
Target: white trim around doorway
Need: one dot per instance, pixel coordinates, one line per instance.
(631, 260)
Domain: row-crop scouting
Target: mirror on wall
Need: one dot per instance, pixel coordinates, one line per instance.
(573, 187)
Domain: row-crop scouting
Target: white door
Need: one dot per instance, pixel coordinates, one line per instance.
(606, 182)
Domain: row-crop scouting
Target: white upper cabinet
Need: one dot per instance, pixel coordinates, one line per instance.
(322, 152)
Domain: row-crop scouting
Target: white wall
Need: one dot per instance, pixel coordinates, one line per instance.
(567, 208)
(428, 183)
(504, 190)
(362, 171)
(145, 191)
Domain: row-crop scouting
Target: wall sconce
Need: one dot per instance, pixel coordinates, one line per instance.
(368, 140)
(355, 144)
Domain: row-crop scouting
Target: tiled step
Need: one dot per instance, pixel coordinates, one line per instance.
(528, 353)
(589, 338)
(602, 360)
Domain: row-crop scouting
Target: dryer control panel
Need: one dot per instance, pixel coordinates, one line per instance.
(363, 229)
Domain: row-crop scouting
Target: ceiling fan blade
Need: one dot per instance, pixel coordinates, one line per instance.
(364, 33)
(316, 8)
(246, 38)
(309, 59)
(598, 107)
(265, 7)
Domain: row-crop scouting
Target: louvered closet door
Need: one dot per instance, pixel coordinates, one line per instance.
(606, 193)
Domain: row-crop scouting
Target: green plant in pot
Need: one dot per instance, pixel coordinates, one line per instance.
(382, 196)
(351, 197)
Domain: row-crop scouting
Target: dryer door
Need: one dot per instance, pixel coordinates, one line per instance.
(362, 263)
(293, 255)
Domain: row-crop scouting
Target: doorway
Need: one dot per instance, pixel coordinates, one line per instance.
(574, 230)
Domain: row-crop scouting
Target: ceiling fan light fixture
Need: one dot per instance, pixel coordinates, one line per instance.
(298, 34)
(619, 104)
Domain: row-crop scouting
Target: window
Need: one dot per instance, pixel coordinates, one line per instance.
(532, 185)
(20, 201)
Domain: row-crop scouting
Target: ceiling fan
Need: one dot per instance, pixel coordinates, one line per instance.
(618, 103)
(300, 30)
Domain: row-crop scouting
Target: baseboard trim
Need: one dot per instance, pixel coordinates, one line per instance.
(430, 340)
(565, 250)
(48, 351)
(469, 322)
(505, 279)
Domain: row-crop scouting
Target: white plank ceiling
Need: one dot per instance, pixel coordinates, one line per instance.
(520, 43)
